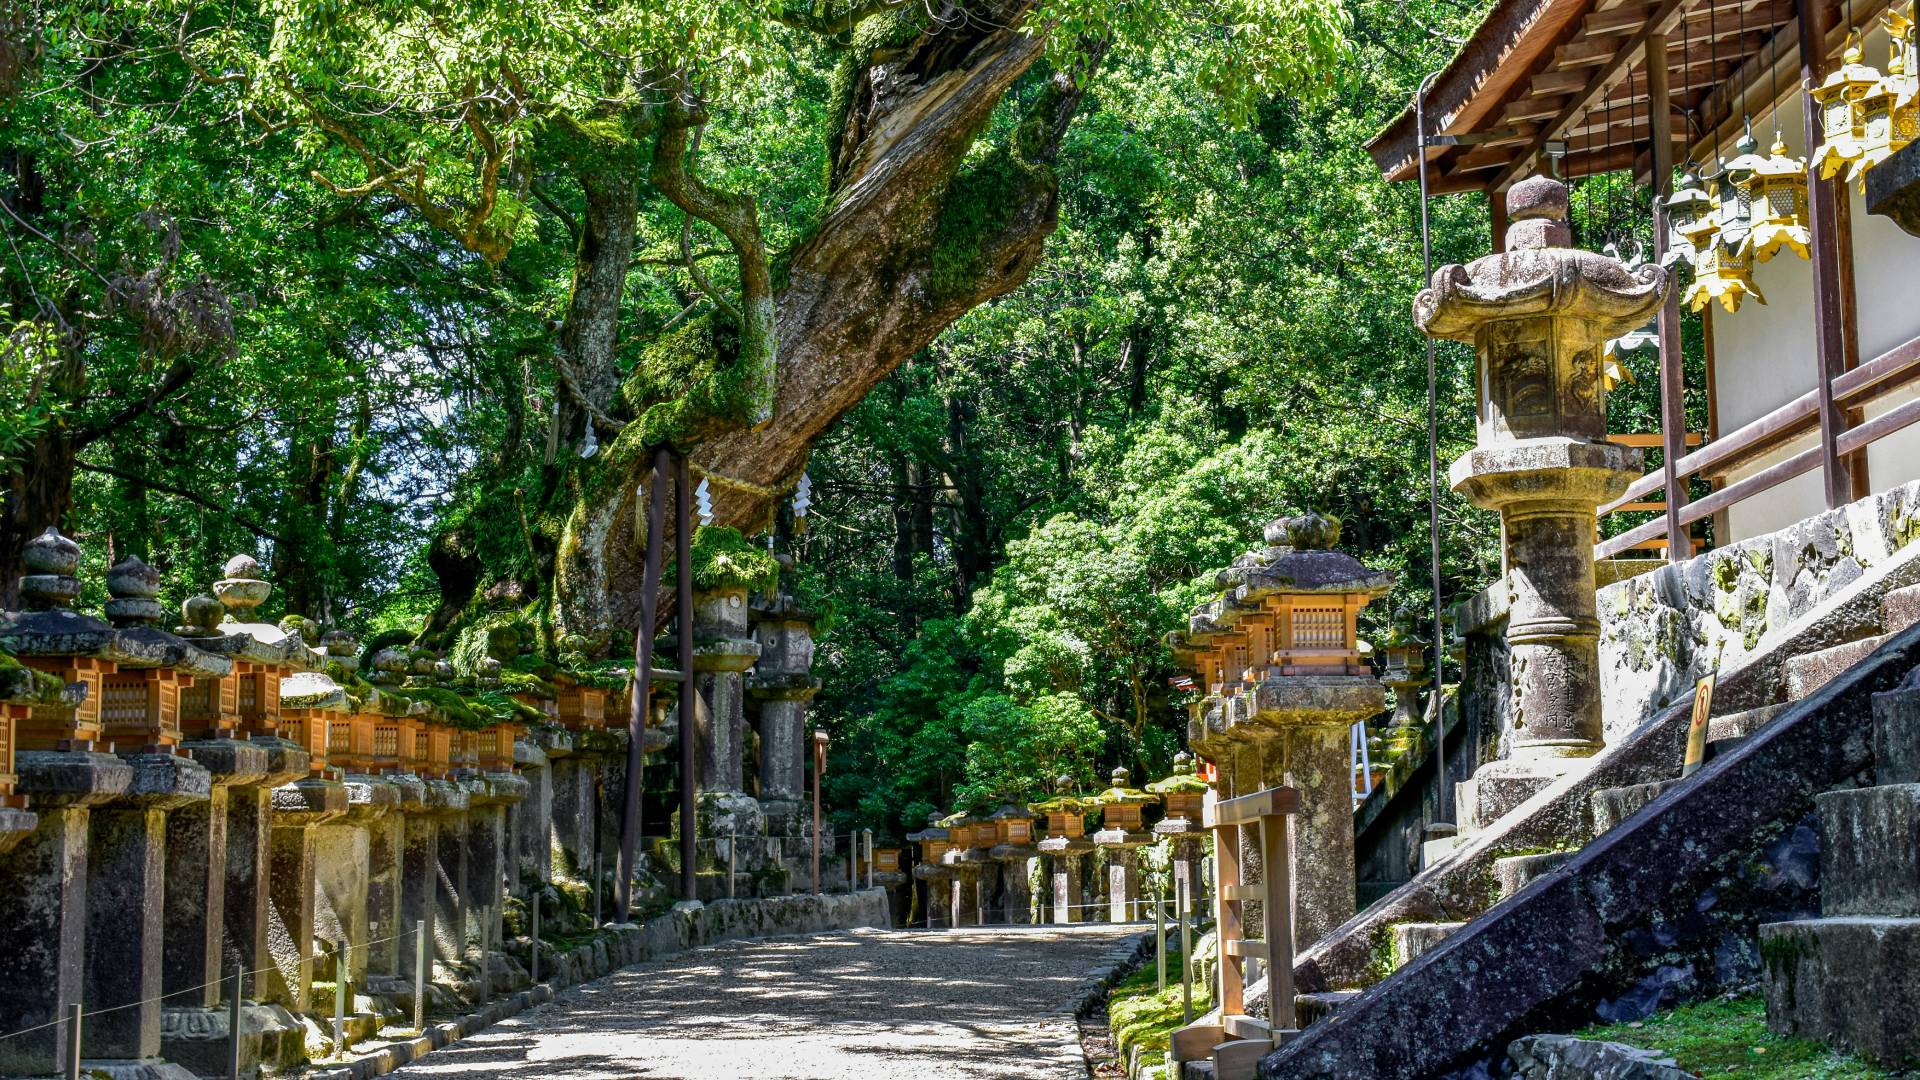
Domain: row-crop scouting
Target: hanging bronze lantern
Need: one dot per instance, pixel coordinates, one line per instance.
(1686, 208)
(1779, 187)
(1734, 188)
(1838, 100)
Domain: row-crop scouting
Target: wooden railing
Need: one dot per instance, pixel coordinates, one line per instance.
(1233, 1040)
(1851, 390)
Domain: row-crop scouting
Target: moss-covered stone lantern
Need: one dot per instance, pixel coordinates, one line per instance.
(1183, 824)
(1014, 850)
(1538, 315)
(1066, 847)
(934, 843)
(1122, 833)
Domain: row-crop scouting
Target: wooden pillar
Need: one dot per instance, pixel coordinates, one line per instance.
(1673, 400)
(1828, 340)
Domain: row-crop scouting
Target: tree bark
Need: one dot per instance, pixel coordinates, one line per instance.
(874, 284)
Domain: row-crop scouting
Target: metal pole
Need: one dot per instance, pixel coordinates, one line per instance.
(1433, 465)
(642, 685)
(1184, 898)
(340, 995)
(233, 1026)
(683, 600)
(535, 974)
(420, 976)
(73, 1042)
(1160, 944)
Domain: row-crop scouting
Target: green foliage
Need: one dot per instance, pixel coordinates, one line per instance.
(27, 359)
(1729, 1036)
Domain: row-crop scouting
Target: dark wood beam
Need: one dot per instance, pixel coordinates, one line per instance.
(1828, 344)
(1673, 400)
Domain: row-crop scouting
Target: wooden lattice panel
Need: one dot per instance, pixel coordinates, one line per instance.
(9, 716)
(1122, 816)
(57, 727)
(1068, 824)
(582, 707)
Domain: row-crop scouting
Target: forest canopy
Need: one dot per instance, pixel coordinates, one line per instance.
(1055, 301)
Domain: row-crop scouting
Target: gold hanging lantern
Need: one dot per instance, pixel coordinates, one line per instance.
(1613, 365)
(1838, 100)
(1722, 270)
(1779, 186)
(1886, 117)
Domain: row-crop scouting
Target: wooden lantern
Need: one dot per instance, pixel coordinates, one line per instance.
(11, 715)
(1124, 816)
(934, 851)
(393, 744)
(1013, 830)
(58, 727)
(309, 730)
(433, 749)
(140, 709)
(496, 747)
(1071, 824)
(581, 707)
(886, 860)
(210, 707)
(1317, 633)
(1185, 804)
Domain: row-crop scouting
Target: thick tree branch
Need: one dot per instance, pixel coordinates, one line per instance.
(238, 518)
(831, 23)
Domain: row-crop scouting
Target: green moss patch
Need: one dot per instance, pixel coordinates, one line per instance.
(1138, 1016)
(723, 560)
(1726, 1037)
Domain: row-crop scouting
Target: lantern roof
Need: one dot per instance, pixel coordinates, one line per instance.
(1178, 782)
(1010, 811)
(313, 690)
(931, 832)
(50, 627)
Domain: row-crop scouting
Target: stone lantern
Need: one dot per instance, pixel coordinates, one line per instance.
(1013, 849)
(1406, 665)
(783, 685)
(1122, 833)
(1067, 848)
(932, 868)
(1185, 795)
(580, 707)
(974, 871)
(1537, 315)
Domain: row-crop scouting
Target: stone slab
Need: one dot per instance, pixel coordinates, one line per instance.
(1563, 1057)
(1743, 723)
(1411, 941)
(1900, 609)
(1516, 872)
(1896, 735)
(1611, 806)
(1870, 851)
(1851, 981)
(1811, 671)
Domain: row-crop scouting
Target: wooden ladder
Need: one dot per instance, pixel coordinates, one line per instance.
(1233, 1040)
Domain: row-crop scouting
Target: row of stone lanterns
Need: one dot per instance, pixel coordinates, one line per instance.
(241, 794)
(978, 869)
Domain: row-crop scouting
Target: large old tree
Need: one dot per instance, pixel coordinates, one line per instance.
(641, 125)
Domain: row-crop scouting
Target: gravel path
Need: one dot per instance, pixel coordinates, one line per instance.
(962, 1005)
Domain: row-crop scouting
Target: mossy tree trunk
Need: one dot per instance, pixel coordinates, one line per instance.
(911, 241)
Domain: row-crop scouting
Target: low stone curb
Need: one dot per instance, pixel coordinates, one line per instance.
(686, 927)
(1563, 1057)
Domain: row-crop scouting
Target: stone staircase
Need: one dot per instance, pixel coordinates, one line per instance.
(1500, 931)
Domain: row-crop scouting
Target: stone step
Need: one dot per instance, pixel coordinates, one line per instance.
(1611, 806)
(1870, 861)
(1813, 670)
(1412, 940)
(1516, 872)
(1311, 1008)
(1853, 980)
(1900, 609)
(1896, 733)
(1721, 747)
(1437, 839)
(1741, 724)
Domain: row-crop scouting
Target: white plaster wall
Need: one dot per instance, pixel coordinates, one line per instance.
(1764, 353)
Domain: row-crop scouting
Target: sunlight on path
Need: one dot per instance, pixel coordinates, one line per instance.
(966, 1005)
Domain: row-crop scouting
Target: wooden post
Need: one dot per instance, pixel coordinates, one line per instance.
(1226, 915)
(1673, 401)
(1277, 912)
(683, 555)
(637, 714)
(1829, 345)
(1497, 218)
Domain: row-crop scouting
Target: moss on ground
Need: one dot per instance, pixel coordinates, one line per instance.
(1137, 1016)
(1729, 1037)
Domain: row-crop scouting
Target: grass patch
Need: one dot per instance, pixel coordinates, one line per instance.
(1137, 1016)
(1726, 1037)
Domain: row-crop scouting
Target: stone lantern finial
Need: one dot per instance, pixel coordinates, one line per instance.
(200, 617)
(133, 585)
(1311, 531)
(51, 561)
(242, 589)
(1121, 774)
(1063, 784)
(1182, 763)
